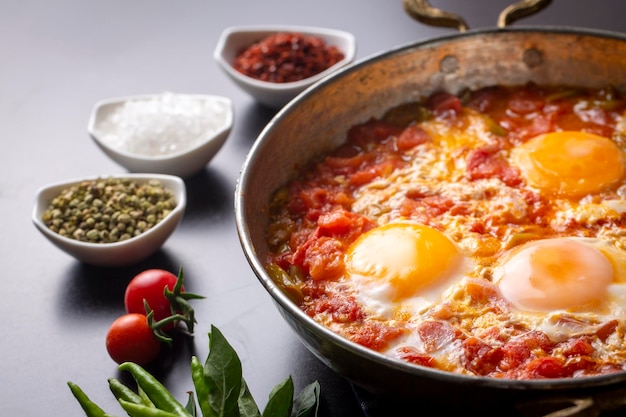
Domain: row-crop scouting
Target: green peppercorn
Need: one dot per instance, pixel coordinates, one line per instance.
(108, 210)
(124, 218)
(92, 235)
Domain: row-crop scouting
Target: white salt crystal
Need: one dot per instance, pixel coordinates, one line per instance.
(164, 124)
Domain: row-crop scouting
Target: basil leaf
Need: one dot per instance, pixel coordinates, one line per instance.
(247, 405)
(223, 375)
(191, 405)
(307, 402)
(280, 400)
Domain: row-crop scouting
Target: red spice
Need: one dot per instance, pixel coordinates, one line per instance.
(287, 57)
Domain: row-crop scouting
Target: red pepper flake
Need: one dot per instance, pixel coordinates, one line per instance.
(287, 57)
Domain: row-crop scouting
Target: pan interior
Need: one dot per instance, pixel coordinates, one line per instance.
(317, 121)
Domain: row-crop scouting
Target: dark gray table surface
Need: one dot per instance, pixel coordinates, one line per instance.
(56, 60)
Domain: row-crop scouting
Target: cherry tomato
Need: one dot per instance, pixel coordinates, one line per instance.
(149, 285)
(130, 339)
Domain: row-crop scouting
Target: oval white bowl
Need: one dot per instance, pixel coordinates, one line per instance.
(236, 38)
(184, 163)
(122, 253)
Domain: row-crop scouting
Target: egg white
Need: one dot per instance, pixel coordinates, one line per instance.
(564, 323)
(377, 297)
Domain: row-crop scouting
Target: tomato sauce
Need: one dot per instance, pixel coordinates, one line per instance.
(314, 222)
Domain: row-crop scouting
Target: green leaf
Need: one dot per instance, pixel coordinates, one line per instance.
(220, 391)
(191, 405)
(247, 405)
(280, 400)
(307, 402)
(223, 375)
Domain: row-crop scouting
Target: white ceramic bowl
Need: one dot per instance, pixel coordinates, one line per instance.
(114, 127)
(122, 253)
(235, 39)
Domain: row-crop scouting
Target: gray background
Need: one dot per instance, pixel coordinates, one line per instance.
(56, 60)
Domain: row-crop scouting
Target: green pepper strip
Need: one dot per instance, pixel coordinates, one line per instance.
(140, 410)
(122, 392)
(202, 391)
(145, 400)
(91, 409)
(157, 393)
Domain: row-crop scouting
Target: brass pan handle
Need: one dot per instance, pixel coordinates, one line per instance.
(422, 11)
(521, 9)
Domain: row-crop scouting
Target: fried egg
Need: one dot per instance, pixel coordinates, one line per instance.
(570, 274)
(400, 268)
(488, 253)
(570, 163)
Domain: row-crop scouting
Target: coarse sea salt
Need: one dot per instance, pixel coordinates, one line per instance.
(163, 124)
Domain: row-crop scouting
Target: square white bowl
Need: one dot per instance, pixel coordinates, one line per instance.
(275, 95)
(183, 163)
(123, 253)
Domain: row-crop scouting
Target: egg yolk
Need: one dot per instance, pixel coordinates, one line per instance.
(570, 164)
(405, 257)
(555, 274)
